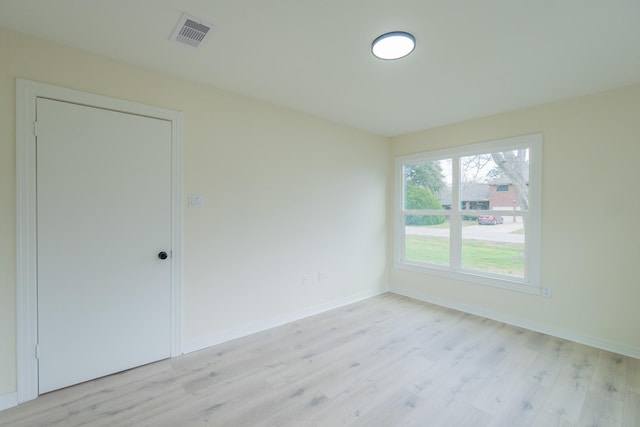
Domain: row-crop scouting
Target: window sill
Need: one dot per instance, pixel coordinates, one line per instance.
(502, 282)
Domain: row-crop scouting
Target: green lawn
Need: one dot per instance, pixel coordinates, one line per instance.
(493, 257)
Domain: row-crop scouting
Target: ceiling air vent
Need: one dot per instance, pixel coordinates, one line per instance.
(191, 31)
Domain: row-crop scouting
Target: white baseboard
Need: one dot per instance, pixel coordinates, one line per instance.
(262, 325)
(8, 401)
(533, 326)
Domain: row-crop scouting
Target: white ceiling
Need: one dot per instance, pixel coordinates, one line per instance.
(473, 58)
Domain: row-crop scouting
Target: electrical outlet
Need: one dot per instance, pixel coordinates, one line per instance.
(546, 292)
(305, 279)
(320, 277)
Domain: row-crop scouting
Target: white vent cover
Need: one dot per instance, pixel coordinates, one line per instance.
(191, 31)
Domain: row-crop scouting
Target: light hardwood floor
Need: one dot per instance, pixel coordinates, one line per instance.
(386, 361)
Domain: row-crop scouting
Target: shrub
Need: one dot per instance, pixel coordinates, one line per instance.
(421, 198)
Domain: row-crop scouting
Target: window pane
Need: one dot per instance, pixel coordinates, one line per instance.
(497, 249)
(487, 203)
(427, 239)
(495, 181)
(426, 184)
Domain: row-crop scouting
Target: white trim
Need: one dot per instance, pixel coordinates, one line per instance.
(176, 233)
(8, 401)
(26, 94)
(26, 318)
(522, 323)
(263, 325)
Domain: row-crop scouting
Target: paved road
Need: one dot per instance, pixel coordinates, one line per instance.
(494, 233)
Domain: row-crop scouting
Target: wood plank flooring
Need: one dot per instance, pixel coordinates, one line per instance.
(386, 361)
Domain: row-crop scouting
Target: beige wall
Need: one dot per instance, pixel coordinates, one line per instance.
(590, 237)
(285, 194)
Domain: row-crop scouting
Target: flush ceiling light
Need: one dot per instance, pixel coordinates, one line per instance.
(393, 45)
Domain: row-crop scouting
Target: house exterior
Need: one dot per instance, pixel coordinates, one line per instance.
(498, 195)
(472, 196)
(502, 196)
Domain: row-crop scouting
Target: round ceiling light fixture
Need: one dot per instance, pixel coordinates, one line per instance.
(393, 45)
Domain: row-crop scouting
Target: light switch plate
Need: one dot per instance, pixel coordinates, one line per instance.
(195, 200)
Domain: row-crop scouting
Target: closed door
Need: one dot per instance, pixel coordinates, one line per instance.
(103, 217)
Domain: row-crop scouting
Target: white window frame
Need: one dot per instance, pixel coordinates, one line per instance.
(531, 283)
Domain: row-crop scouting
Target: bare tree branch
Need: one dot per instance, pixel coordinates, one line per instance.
(513, 164)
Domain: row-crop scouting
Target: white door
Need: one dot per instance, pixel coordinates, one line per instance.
(103, 217)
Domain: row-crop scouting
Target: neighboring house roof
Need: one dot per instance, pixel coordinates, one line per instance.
(469, 193)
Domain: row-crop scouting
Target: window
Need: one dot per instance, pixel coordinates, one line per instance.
(449, 221)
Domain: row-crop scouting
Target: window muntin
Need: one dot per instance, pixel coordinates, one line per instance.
(464, 182)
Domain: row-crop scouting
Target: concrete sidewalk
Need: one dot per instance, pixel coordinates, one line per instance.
(492, 233)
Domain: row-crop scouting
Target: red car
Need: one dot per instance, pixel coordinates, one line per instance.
(490, 219)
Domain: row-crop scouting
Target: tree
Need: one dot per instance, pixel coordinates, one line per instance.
(425, 174)
(505, 166)
(421, 198)
(514, 165)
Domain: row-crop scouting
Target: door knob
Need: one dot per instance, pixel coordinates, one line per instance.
(162, 255)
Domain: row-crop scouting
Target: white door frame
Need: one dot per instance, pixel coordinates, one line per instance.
(26, 239)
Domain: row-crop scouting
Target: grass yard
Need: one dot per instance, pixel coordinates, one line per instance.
(481, 255)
